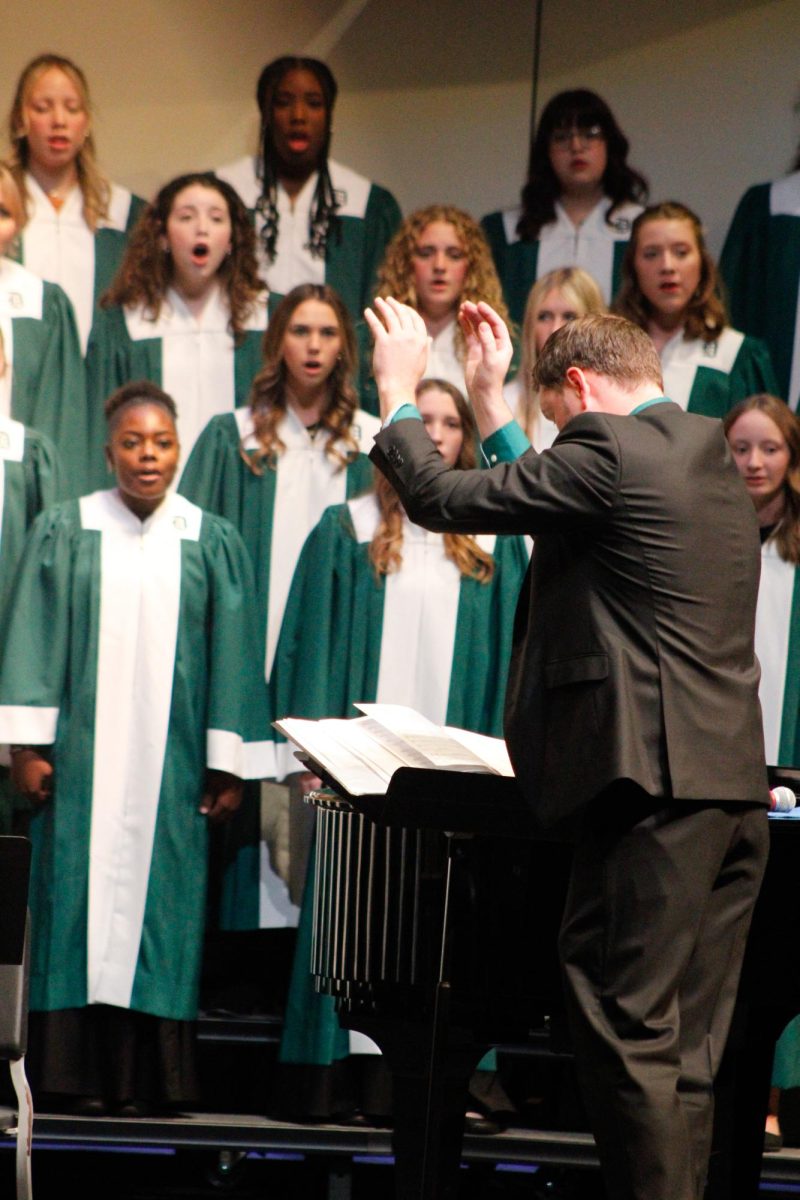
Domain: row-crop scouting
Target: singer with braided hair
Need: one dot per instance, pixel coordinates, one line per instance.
(316, 221)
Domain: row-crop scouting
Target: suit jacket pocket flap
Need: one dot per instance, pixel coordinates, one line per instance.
(582, 669)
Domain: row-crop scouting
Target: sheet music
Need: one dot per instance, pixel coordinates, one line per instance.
(491, 750)
(363, 753)
(439, 746)
(357, 775)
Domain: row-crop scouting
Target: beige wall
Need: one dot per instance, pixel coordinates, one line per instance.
(708, 112)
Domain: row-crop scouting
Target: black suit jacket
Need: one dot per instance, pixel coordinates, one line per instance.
(633, 640)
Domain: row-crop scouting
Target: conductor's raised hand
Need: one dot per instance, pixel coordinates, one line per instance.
(401, 351)
(488, 357)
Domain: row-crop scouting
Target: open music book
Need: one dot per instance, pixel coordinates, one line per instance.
(363, 753)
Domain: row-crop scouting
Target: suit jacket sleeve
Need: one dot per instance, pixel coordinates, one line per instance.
(571, 485)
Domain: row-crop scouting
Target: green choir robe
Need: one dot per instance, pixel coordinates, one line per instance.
(30, 480)
(597, 246)
(760, 264)
(195, 360)
(424, 636)
(711, 377)
(368, 216)
(274, 512)
(59, 246)
(128, 650)
(778, 651)
(44, 386)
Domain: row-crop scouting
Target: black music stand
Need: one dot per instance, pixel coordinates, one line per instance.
(431, 1063)
(15, 865)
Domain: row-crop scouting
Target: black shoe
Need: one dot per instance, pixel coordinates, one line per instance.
(87, 1106)
(772, 1142)
(134, 1108)
(480, 1125)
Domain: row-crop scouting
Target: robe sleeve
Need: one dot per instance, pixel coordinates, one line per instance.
(314, 636)
(44, 475)
(492, 226)
(511, 565)
(743, 259)
(752, 372)
(213, 472)
(29, 487)
(59, 407)
(138, 205)
(381, 218)
(789, 747)
(324, 658)
(36, 633)
(108, 366)
(246, 365)
(367, 389)
(238, 733)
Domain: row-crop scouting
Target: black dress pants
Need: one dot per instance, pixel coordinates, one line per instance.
(651, 943)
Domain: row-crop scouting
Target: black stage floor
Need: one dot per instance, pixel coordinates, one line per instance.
(198, 1156)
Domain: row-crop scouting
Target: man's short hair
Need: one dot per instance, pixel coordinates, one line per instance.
(610, 346)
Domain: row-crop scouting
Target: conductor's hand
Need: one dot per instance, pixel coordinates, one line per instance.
(32, 775)
(222, 796)
(488, 356)
(401, 351)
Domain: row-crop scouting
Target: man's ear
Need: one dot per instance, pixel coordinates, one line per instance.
(575, 379)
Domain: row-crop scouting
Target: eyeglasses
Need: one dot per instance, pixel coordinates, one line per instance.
(563, 137)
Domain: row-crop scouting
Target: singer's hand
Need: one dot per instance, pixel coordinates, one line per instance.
(32, 775)
(221, 797)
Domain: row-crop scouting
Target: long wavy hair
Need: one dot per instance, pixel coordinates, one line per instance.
(580, 290)
(268, 394)
(147, 271)
(386, 547)
(582, 109)
(706, 316)
(323, 220)
(94, 185)
(786, 534)
(481, 282)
